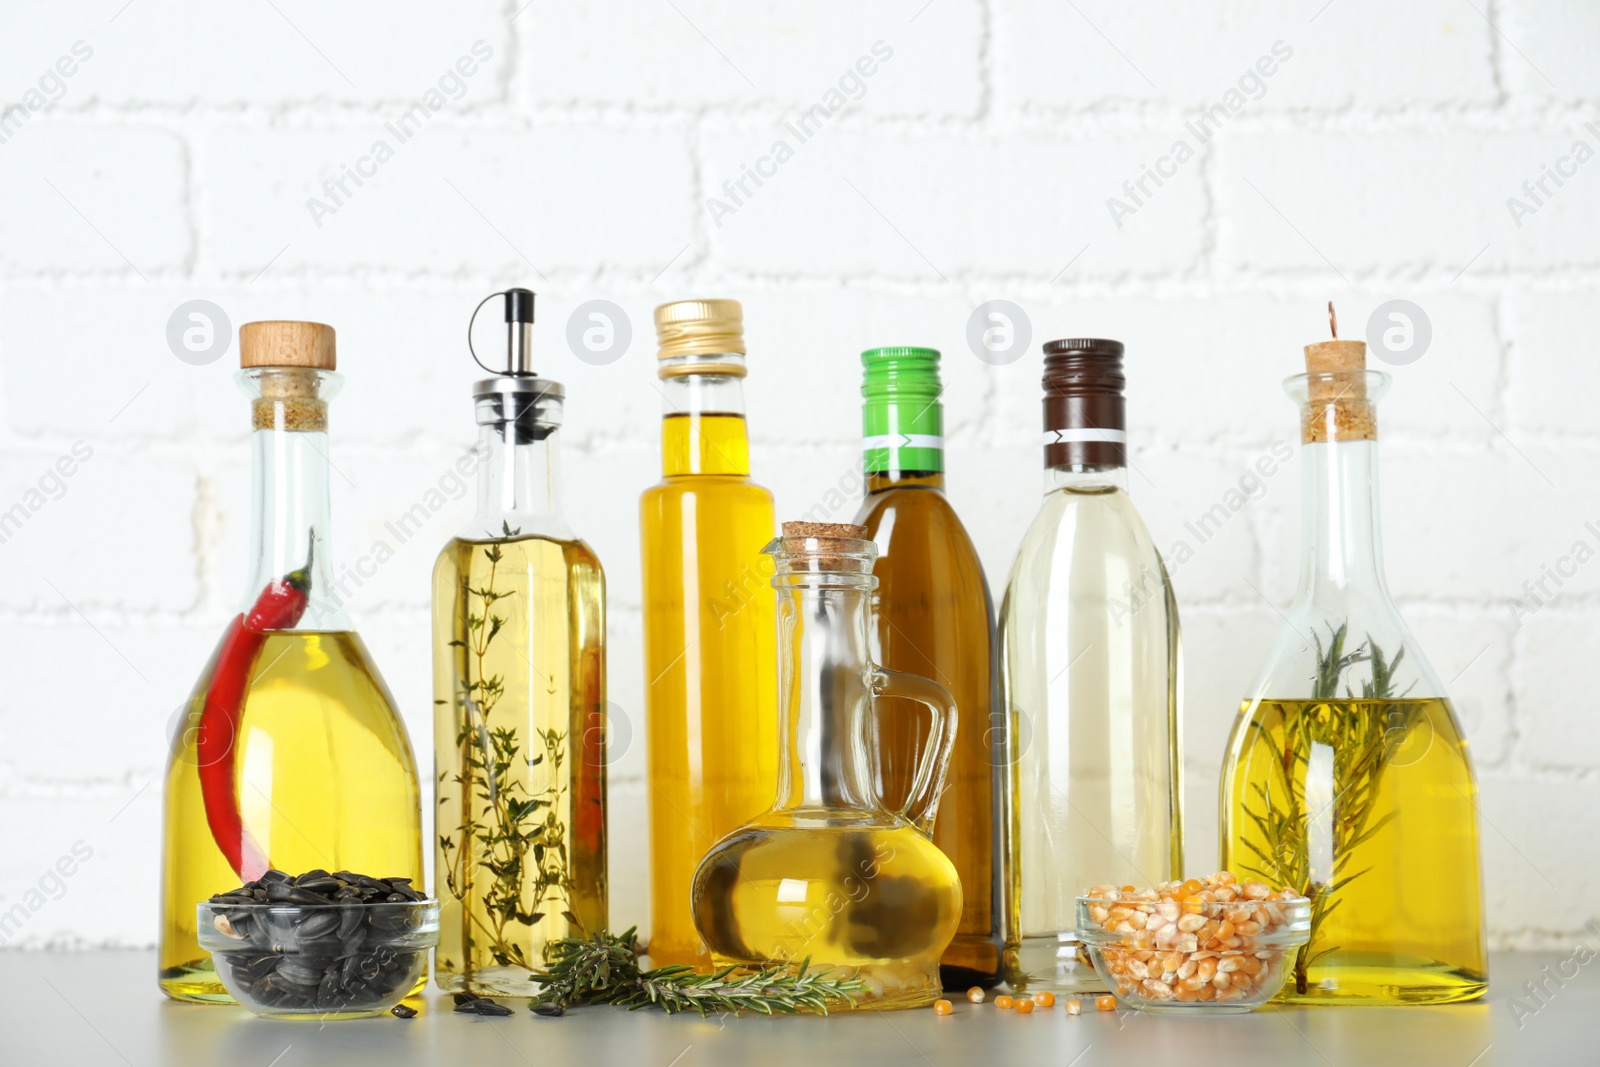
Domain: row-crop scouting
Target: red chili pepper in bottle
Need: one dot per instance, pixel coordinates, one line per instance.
(279, 607)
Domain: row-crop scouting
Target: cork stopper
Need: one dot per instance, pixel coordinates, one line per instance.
(288, 356)
(829, 546)
(1338, 408)
(700, 328)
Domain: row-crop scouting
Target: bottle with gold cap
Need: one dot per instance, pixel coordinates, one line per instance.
(519, 698)
(711, 688)
(1347, 777)
(290, 754)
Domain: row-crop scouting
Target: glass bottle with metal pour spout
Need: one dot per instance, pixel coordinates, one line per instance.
(830, 874)
(933, 617)
(1090, 645)
(1347, 778)
(292, 755)
(519, 699)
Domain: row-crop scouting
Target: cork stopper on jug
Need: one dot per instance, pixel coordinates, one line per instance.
(287, 358)
(1336, 375)
(825, 546)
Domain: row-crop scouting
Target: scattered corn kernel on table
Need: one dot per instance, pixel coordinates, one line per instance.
(103, 1008)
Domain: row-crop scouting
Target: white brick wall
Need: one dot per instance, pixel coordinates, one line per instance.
(578, 156)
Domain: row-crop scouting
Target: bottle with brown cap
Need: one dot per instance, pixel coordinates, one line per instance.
(830, 873)
(1090, 668)
(711, 695)
(519, 687)
(1347, 778)
(289, 754)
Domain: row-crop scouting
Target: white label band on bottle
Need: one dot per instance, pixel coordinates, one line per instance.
(903, 440)
(1085, 436)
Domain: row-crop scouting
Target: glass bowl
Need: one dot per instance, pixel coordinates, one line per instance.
(328, 961)
(1202, 956)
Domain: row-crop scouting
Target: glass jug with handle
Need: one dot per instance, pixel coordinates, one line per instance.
(829, 874)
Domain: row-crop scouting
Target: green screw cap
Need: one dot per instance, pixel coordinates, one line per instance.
(902, 421)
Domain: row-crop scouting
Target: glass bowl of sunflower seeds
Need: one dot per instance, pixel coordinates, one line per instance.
(327, 945)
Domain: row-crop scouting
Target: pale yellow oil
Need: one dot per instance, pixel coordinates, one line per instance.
(519, 765)
(1394, 832)
(710, 661)
(878, 902)
(325, 778)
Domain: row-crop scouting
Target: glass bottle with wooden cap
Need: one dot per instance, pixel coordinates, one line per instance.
(933, 617)
(829, 873)
(290, 754)
(710, 695)
(519, 668)
(1347, 778)
(1090, 646)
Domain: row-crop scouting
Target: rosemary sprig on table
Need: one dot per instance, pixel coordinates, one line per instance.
(604, 969)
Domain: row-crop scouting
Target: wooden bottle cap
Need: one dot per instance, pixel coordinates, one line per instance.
(284, 343)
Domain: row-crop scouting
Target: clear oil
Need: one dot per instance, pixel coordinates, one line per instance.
(874, 901)
(519, 777)
(325, 778)
(1312, 799)
(710, 661)
(1090, 644)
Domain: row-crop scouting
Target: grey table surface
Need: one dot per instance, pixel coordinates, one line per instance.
(104, 1008)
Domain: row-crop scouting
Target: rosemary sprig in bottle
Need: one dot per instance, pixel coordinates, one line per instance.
(604, 969)
(1363, 731)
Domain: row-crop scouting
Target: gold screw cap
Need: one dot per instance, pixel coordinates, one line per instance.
(283, 343)
(700, 328)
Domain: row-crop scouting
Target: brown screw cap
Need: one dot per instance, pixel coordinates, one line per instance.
(1084, 420)
(283, 343)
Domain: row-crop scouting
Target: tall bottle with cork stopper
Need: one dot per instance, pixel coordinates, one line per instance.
(519, 667)
(709, 661)
(1092, 675)
(1347, 778)
(933, 617)
(290, 754)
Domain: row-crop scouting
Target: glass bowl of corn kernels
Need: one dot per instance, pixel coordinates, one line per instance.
(1206, 945)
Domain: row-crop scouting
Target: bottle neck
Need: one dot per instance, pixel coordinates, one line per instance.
(824, 692)
(1086, 477)
(879, 481)
(1341, 550)
(703, 426)
(289, 515)
(518, 483)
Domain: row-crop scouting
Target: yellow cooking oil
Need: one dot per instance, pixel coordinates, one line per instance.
(325, 779)
(519, 775)
(710, 660)
(859, 899)
(1311, 800)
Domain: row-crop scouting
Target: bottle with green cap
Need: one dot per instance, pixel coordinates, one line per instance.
(934, 618)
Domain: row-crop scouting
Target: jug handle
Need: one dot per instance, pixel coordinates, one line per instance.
(922, 800)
